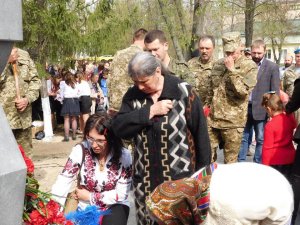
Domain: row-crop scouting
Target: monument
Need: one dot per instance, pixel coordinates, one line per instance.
(12, 166)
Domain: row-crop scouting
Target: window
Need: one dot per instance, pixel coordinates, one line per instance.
(283, 53)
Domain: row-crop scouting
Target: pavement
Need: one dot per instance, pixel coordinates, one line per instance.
(49, 157)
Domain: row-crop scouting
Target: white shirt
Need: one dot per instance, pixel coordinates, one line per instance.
(110, 186)
(84, 88)
(67, 91)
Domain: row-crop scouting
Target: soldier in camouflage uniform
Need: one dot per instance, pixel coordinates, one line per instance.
(289, 77)
(118, 80)
(233, 78)
(18, 111)
(156, 43)
(201, 66)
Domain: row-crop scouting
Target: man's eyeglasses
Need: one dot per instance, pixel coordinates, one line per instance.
(98, 142)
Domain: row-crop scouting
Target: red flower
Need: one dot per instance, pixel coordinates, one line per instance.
(41, 204)
(29, 163)
(32, 195)
(37, 219)
(54, 206)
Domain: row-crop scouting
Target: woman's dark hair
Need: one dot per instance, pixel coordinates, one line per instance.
(79, 75)
(273, 101)
(102, 123)
(70, 79)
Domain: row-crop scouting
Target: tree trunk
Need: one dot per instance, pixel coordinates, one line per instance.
(198, 22)
(278, 45)
(150, 11)
(249, 20)
(178, 5)
(174, 38)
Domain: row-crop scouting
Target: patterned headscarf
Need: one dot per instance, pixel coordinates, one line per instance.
(182, 202)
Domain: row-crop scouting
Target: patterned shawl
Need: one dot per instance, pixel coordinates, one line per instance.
(182, 202)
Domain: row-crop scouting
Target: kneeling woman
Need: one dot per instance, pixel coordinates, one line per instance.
(105, 171)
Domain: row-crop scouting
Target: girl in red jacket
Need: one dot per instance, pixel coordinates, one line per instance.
(278, 149)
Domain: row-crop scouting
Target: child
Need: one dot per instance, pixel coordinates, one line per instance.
(70, 107)
(103, 86)
(278, 149)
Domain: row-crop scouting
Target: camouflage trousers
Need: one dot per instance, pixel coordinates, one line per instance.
(24, 138)
(231, 139)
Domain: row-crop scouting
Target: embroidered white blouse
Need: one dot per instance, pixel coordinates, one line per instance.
(107, 187)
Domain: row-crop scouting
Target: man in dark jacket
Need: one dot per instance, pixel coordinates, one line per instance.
(267, 80)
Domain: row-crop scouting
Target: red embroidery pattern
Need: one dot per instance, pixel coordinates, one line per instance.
(114, 171)
(71, 168)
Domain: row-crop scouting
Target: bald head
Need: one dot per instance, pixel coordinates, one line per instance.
(288, 61)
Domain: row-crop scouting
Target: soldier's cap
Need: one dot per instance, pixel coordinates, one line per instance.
(231, 41)
(297, 50)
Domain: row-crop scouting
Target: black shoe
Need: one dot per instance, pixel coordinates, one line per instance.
(66, 139)
(74, 137)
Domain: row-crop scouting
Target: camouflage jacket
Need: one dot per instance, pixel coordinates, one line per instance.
(118, 79)
(289, 78)
(202, 74)
(181, 70)
(231, 91)
(29, 85)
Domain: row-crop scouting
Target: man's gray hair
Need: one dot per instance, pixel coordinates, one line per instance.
(144, 64)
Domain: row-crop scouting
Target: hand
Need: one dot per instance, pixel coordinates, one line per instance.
(206, 110)
(160, 108)
(21, 104)
(229, 63)
(13, 55)
(82, 194)
(52, 93)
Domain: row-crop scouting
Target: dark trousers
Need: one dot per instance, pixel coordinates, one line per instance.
(295, 180)
(285, 170)
(119, 215)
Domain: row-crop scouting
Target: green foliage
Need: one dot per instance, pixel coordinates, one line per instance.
(110, 27)
(41, 70)
(51, 29)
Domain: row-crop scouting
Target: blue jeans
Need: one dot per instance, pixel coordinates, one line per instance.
(259, 137)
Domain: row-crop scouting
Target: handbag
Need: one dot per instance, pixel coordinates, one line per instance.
(296, 137)
(71, 203)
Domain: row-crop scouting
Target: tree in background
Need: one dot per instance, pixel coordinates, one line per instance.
(56, 29)
(51, 29)
(276, 24)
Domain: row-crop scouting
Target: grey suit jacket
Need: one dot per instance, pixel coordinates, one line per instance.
(267, 80)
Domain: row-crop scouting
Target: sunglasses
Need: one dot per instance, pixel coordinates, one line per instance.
(98, 142)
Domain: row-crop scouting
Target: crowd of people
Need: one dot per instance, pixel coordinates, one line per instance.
(175, 116)
(76, 94)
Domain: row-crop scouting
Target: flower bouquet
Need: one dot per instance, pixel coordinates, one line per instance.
(39, 208)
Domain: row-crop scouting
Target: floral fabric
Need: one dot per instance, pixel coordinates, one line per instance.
(184, 201)
(107, 187)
